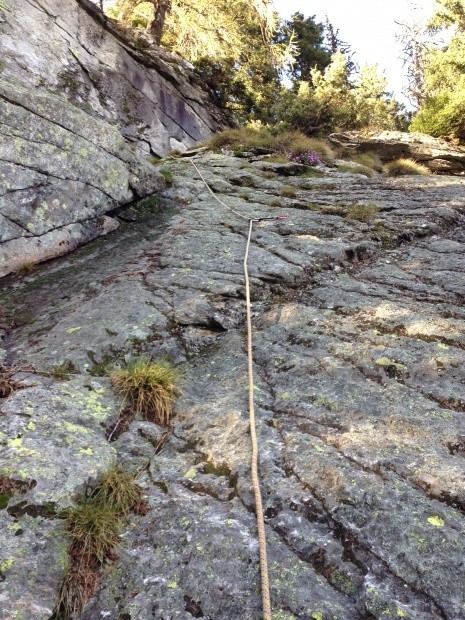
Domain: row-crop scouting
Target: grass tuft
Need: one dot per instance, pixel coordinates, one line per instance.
(277, 159)
(93, 528)
(240, 137)
(245, 195)
(118, 492)
(149, 387)
(167, 175)
(368, 172)
(370, 160)
(26, 268)
(363, 212)
(401, 167)
(280, 142)
(287, 191)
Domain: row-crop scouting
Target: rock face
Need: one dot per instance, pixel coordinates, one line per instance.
(67, 160)
(438, 155)
(359, 386)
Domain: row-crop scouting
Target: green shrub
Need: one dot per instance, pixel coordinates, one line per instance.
(442, 115)
(149, 387)
(401, 167)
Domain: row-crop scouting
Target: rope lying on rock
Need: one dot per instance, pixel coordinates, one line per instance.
(265, 583)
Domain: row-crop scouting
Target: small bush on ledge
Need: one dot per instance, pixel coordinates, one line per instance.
(401, 167)
(149, 387)
(272, 140)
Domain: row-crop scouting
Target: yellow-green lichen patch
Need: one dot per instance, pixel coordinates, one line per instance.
(74, 428)
(388, 363)
(436, 521)
(17, 442)
(71, 330)
(86, 451)
(6, 565)
(279, 614)
(191, 473)
(90, 404)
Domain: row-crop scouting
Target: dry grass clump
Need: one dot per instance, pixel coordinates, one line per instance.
(118, 492)
(400, 167)
(10, 487)
(7, 384)
(277, 159)
(149, 387)
(93, 528)
(360, 169)
(363, 212)
(370, 160)
(241, 137)
(296, 142)
(288, 191)
(281, 142)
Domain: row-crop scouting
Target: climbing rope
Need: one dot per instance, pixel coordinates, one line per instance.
(265, 582)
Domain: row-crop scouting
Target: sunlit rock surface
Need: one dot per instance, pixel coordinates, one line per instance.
(438, 154)
(359, 386)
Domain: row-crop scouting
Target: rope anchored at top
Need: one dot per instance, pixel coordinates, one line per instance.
(264, 573)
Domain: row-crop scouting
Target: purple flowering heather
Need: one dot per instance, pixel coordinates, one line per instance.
(308, 158)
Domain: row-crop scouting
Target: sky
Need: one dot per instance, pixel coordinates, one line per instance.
(369, 27)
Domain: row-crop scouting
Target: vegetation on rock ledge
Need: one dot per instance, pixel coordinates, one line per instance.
(149, 387)
(93, 528)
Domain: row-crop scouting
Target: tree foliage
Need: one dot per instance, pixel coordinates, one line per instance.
(310, 46)
(332, 99)
(230, 41)
(442, 112)
(242, 50)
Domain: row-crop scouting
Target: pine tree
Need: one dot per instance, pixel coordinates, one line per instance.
(442, 112)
